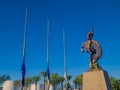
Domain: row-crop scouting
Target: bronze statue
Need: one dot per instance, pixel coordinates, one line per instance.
(95, 50)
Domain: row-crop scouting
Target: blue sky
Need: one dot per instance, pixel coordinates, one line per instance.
(76, 17)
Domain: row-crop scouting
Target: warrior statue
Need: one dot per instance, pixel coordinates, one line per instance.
(95, 50)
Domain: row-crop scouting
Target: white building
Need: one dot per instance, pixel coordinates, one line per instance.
(9, 85)
(32, 87)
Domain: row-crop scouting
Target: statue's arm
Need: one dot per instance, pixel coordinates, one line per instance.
(82, 47)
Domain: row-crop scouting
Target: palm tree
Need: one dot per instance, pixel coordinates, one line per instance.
(54, 80)
(61, 80)
(28, 81)
(35, 80)
(68, 81)
(17, 83)
(78, 81)
(44, 74)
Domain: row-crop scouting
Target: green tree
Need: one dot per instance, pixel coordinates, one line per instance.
(35, 80)
(17, 83)
(54, 80)
(44, 74)
(0, 79)
(3, 78)
(61, 80)
(28, 81)
(68, 81)
(78, 81)
(119, 83)
(115, 83)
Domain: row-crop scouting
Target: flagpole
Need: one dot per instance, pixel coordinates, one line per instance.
(24, 50)
(65, 66)
(48, 73)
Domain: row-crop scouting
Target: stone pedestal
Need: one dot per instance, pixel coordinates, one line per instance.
(96, 80)
(8, 85)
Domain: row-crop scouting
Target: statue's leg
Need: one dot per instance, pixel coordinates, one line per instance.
(96, 65)
(91, 65)
(91, 61)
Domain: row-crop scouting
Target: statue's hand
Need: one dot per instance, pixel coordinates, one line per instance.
(81, 49)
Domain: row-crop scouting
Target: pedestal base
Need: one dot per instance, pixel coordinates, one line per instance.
(96, 80)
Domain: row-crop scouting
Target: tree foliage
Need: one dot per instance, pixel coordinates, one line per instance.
(55, 79)
(115, 83)
(28, 81)
(68, 81)
(44, 75)
(78, 81)
(61, 80)
(35, 80)
(3, 78)
(17, 83)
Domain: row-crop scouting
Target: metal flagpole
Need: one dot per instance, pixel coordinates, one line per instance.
(24, 50)
(65, 66)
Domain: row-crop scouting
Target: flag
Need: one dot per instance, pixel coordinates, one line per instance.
(23, 69)
(48, 72)
(23, 62)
